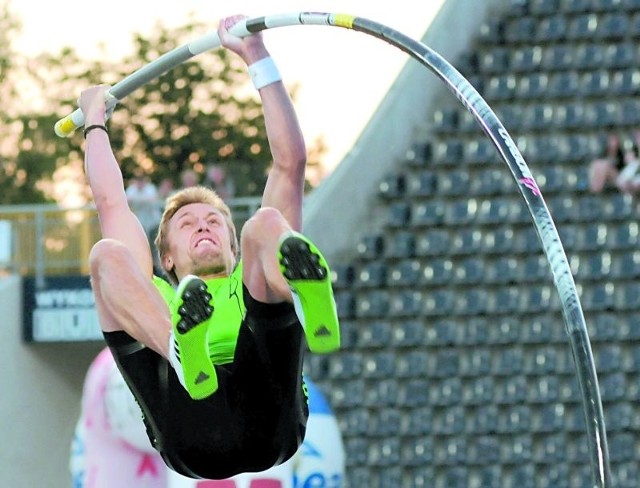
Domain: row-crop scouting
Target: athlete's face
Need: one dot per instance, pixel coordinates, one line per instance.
(199, 242)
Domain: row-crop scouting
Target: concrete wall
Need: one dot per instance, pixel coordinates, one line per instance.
(41, 387)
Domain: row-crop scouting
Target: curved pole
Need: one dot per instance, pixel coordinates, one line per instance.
(493, 128)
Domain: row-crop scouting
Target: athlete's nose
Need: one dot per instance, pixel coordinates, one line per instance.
(202, 225)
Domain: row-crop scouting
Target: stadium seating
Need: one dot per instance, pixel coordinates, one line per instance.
(460, 372)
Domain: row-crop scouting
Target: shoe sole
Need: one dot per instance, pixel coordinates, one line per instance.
(199, 373)
(307, 274)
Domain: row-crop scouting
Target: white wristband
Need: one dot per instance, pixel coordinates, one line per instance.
(264, 72)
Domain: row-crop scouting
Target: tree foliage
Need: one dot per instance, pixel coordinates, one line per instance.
(200, 112)
(8, 28)
(193, 115)
(14, 175)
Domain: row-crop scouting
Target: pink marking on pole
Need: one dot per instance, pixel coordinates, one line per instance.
(531, 184)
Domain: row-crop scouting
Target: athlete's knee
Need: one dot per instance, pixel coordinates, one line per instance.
(266, 221)
(108, 252)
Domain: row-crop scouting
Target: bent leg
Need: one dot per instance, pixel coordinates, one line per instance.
(282, 265)
(126, 298)
(266, 384)
(260, 269)
(163, 401)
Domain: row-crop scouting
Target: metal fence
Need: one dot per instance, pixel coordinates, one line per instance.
(46, 240)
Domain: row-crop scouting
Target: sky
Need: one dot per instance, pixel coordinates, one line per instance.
(333, 67)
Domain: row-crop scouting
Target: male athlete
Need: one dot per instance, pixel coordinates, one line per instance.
(216, 364)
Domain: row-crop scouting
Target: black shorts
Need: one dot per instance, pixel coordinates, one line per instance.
(257, 418)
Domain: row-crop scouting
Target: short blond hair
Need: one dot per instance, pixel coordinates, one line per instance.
(187, 196)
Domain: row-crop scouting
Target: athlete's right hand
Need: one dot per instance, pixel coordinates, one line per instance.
(250, 48)
(92, 102)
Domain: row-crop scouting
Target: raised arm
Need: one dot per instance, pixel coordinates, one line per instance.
(285, 184)
(117, 221)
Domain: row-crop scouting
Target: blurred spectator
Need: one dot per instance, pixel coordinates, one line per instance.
(143, 199)
(189, 178)
(217, 179)
(165, 188)
(604, 171)
(628, 180)
(619, 167)
(111, 449)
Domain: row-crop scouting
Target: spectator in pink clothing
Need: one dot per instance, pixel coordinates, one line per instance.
(110, 446)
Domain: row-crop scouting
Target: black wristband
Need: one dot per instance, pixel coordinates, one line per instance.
(95, 126)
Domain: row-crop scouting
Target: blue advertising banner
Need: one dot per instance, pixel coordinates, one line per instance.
(63, 310)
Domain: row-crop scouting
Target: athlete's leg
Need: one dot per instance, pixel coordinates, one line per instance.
(266, 383)
(259, 250)
(126, 299)
(282, 265)
(167, 411)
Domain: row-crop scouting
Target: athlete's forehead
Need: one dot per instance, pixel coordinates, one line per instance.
(196, 210)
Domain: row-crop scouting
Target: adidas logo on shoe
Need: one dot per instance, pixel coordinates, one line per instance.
(201, 378)
(322, 331)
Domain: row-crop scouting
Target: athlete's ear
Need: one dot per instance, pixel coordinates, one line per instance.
(167, 263)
